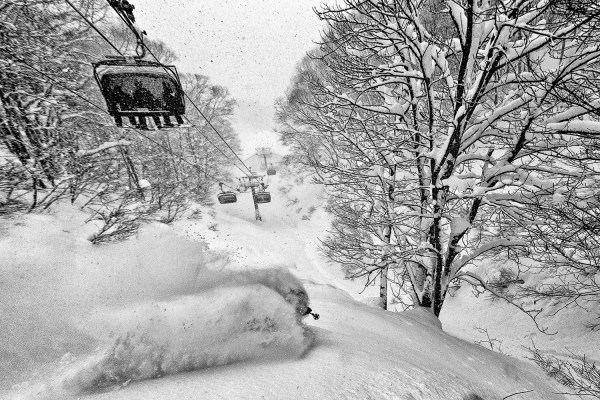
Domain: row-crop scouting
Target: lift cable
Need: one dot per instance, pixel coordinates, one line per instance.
(207, 120)
(62, 85)
(90, 23)
(146, 47)
(132, 28)
(129, 21)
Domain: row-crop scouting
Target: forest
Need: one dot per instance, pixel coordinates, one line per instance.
(58, 141)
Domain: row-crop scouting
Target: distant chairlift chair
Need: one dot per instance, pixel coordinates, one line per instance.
(137, 89)
(262, 196)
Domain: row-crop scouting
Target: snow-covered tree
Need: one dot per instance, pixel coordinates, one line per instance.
(217, 106)
(186, 165)
(477, 126)
(56, 140)
(41, 122)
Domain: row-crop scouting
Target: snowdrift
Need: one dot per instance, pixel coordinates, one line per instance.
(104, 317)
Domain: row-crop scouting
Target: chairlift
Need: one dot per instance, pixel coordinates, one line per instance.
(271, 171)
(262, 197)
(142, 91)
(226, 197)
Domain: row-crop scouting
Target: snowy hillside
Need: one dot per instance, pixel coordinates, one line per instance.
(205, 304)
(257, 163)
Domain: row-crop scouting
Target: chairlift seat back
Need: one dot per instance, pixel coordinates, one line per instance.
(227, 197)
(263, 197)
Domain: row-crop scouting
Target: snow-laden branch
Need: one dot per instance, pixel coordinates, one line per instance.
(103, 147)
(581, 127)
(463, 260)
(476, 280)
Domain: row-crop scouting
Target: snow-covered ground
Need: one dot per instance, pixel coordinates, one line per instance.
(206, 304)
(512, 332)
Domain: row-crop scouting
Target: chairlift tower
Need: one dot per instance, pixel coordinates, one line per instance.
(253, 182)
(264, 151)
(256, 210)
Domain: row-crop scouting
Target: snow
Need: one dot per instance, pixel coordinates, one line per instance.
(210, 305)
(458, 14)
(587, 127)
(458, 225)
(515, 331)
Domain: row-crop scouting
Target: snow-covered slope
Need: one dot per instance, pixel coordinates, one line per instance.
(257, 163)
(205, 305)
(359, 352)
(478, 318)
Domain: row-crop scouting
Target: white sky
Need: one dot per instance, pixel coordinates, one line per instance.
(250, 47)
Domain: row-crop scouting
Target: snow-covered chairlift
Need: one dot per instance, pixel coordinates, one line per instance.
(141, 91)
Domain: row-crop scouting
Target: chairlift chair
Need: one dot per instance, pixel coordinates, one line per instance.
(138, 89)
(227, 197)
(262, 197)
(271, 171)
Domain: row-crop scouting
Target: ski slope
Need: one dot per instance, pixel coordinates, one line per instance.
(203, 309)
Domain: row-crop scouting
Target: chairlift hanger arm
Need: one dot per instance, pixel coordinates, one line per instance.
(90, 23)
(124, 10)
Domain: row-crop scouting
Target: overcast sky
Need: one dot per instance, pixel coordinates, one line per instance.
(251, 47)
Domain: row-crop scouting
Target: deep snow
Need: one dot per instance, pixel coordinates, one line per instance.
(206, 305)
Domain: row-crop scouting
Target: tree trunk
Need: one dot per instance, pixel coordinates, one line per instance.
(383, 288)
(383, 281)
